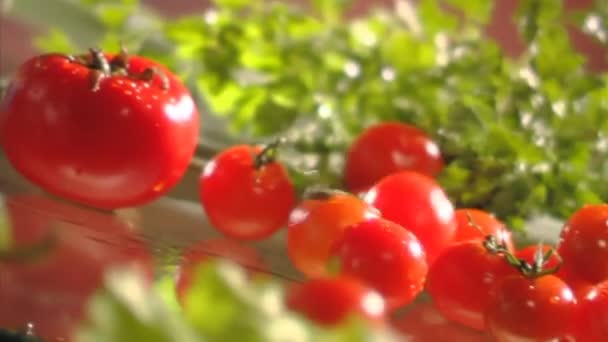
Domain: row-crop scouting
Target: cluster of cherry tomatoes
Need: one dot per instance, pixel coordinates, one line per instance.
(374, 249)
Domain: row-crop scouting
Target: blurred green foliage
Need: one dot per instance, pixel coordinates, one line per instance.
(520, 136)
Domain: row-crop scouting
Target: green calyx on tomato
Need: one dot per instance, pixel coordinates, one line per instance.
(118, 65)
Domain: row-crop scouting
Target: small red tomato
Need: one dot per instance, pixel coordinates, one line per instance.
(424, 323)
(122, 139)
(461, 282)
(482, 225)
(584, 243)
(215, 249)
(316, 223)
(387, 148)
(528, 254)
(386, 256)
(592, 322)
(243, 200)
(420, 205)
(537, 309)
(331, 301)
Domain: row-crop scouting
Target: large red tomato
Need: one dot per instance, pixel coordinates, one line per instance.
(316, 223)
(57, 260)
(387, 148)
(108, 131)
(420, 205)
(583, 243)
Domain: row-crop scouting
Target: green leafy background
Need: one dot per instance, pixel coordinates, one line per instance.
(521, 136)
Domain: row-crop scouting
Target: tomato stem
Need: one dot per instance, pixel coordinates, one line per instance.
(268, 154)
(100, 67)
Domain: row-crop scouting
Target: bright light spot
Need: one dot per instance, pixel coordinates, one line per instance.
(559, 108)
(125, 111)
(530, 303)
(529, 76)
(601, 243)
(352, 69)
(180, 111)
(298, 215)
(324, 111)
(388, 74)
(415, 248)
(210, 17)
(442, 205)
(209, 168)
(370, 196)
(431, 148)
(373, 304)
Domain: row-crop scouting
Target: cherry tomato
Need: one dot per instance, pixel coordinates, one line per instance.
(461, 282)
(57, 259)
(538, 309)
(243, 201)
(592, 323)
(330, 301)
(120, 141)
(384, 255)
(482, 225)
(417, 203)
(425, 323)
(387, 148)
(215, 249)
(583, 243)
(316, 223)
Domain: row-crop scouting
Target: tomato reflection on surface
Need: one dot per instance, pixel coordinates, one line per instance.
(73, 249)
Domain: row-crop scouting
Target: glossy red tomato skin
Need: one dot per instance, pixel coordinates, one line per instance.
(487, 225)
(314, 226)
(583, 243)
(592, 322)
(387, 148)
(462, 279)
(207, 250)
(385, 256)
(331, 301)
(123, 145)
(539, 309)
(52, 290)
(244, 203)
(420, 205)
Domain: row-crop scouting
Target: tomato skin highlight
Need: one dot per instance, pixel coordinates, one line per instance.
(485, 221)
(462, 279)
(123, 145)
(420, 205)
(315, 224)
(385, 256)
(538, 309)
(583, 243)
(331, 301)
(244, 203)
(386, 148)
